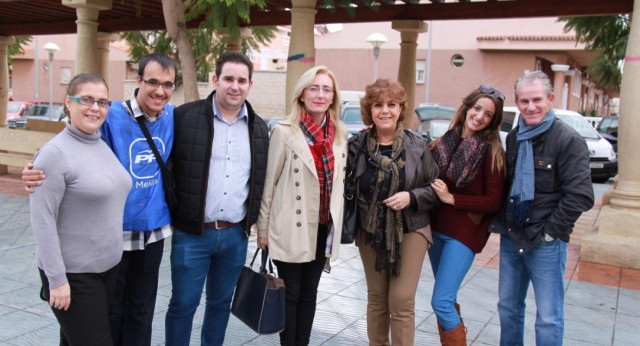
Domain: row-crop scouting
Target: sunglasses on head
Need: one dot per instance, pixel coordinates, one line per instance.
(485, 89)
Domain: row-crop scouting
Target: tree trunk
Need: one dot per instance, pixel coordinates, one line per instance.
(173, 11)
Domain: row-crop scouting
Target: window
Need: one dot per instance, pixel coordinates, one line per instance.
(457, 60)
(420, 71)
(65, 75)
(576, 83)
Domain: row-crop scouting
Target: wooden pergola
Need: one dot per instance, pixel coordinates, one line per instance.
(39, 17)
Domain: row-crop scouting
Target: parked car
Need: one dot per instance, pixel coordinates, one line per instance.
(608, 129)
(603, 159)
(40, 111)
(273, 121)
(15, 109)
(435, 119)
(350, 116)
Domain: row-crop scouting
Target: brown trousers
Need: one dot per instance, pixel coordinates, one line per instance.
(391, 302)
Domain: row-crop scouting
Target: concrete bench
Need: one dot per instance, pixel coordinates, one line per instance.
(17, 147)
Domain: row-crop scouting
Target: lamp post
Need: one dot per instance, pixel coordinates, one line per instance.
(51, 48)
(376, 40)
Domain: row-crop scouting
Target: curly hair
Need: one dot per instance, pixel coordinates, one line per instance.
(381, 88)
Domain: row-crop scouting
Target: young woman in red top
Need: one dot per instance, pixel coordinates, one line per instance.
(470, 184)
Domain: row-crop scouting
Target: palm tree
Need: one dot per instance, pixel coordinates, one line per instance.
(608, 36)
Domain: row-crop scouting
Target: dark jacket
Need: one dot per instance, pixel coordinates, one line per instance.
(193, 142)
(420, 171)
(563, 189)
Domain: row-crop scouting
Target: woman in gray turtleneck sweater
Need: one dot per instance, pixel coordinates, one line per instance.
(77, 217)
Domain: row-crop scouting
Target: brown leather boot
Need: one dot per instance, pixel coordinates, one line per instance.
(454, 337)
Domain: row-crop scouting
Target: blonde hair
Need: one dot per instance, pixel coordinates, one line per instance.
(334, 109)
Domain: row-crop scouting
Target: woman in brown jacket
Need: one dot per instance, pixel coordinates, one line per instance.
(393, 174)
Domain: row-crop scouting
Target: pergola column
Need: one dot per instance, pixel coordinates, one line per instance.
(302, 51)
(87, 11)
(558, 83)
(104, 40)
(409, 30)
(616, 241)
(5, 41)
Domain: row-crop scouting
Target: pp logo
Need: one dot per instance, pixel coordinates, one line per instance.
(142, 163)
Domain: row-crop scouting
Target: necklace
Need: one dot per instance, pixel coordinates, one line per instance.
(385, 143)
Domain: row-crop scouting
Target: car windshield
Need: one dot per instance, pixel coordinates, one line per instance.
(42, 110)
(438, 128)
(581, 125)
(431, 112)
(352, 116)
(13, 107)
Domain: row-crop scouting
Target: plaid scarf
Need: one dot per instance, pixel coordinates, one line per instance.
(383, 225)
(459, 158)
(320, 139)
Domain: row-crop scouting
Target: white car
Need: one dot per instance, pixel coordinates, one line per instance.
(604, 162)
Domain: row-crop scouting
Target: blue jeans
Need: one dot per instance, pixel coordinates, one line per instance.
(450, 262)
(544, 267)
(217, 257)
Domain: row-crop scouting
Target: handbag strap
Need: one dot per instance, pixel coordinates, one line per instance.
(264, 260)
(147, 135)
(357, 157)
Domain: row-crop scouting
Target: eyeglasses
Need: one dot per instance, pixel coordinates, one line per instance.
(485, 89)
(376, 165)
(315, 90)
(89, 101)
(154, 84)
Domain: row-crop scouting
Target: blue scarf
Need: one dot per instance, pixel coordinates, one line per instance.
(523, 187)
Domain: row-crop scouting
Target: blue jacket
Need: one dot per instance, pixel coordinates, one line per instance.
(146, 208)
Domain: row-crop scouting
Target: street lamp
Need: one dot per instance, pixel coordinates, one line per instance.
(51, 48)
(376, 40)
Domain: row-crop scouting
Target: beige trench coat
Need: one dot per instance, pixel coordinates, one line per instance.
(290, 207)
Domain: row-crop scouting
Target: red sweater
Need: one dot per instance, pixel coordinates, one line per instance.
(477, 201)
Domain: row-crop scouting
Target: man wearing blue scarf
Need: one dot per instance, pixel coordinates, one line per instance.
(550, 187)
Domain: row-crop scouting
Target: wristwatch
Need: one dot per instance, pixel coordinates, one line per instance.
(547, 237)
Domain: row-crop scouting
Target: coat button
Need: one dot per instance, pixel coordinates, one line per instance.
(295, 170)
(295, 156)
(343, 155)
(298, 211)
(298, 198)
(549, 166)
(520, 251)
(298, 224)
(297, 183)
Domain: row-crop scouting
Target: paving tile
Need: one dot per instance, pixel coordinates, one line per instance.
(625, 337)
(596, 273)
(629, 302)
(589, 324)
(49, 335)
(19, 323)
(591, 296)
(345, 305)
(630, 278)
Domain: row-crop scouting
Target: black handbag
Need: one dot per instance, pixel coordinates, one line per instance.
(168, 183)
(259, 300)
(350, 216)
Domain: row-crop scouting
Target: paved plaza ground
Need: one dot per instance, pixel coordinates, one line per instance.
(602, 302)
